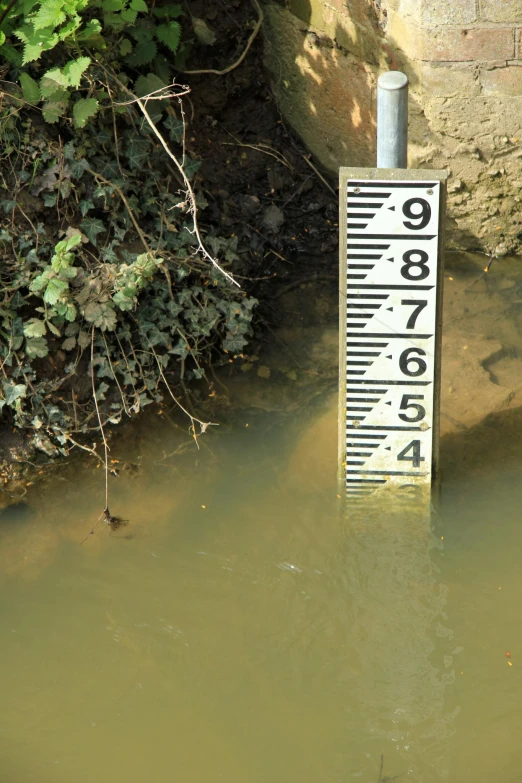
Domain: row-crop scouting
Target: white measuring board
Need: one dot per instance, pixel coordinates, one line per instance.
(391, 279)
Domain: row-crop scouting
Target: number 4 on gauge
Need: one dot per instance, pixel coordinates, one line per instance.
(415, 458)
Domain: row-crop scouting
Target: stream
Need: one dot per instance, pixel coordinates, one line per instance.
(243, 628)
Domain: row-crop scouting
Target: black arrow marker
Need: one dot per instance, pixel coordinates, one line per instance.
(389, 357)
(388, 448)
(390, 309)
(389, 259)
(387, 403)
(392, 209)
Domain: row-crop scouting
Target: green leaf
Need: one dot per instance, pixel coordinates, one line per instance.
(91, 34)
(129, 16)
(169, 34)
(84, 339)
(30, 88)
(113, 5)
(174, 127)
(69, 312)
(144, 52)
(125, 47)
(100, 391)
(73, 241)
(67, 29)
(36, 347)
(123, 301)
(53, 110)
(35, 42)
(50, 15)
(147, 84)
(69, 344)
(52, 81)
(50, 199)
(75, 69)
(55, 289)
(101, 315)
(191, 166)
(137, 152)
(53, 329)
(171, 11)
(13, 391)
(2, 37)
(85, 206)
(84, 109)
(77, 168)
(234, 343)
(34, 328)
(91, 228)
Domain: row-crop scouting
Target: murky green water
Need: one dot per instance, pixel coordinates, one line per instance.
(240, 629)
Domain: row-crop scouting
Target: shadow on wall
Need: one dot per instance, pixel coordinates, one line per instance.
(324, 60)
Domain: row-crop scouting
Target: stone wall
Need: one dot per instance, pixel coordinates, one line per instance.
(464, 62)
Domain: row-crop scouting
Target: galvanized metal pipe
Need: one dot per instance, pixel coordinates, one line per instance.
(392, 120)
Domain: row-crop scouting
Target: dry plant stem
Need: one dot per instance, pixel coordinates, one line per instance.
(258, 148)
(193, 208)
(85, 448)
(305, 157)
(91, 532)
(201, 246)
(240, 59)
(105, 444)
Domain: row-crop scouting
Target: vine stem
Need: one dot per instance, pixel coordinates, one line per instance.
(6, 11)
(242, 56)
(204, 425)
(105, 444)
(121, 194)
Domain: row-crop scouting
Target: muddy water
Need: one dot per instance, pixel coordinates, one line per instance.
(241, 628)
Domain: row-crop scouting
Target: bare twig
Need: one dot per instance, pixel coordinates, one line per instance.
(85, 448)
(307, 159)
(257, 28)
(192, 198)
(259, 148)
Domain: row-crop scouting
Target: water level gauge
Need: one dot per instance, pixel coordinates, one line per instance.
(391, 285)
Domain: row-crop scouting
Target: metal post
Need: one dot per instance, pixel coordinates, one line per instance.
(392, 120)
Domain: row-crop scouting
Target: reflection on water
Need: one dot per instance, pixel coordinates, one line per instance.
(242, 628)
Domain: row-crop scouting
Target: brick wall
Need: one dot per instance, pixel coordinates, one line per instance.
(464, 60)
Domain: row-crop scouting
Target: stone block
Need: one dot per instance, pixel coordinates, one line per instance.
(410, 8)
(502, 81)
(404, 35)
(324, 94)
(501, 10)
(448, 81)
(444, 12)
(474, 45)
(359, 11)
